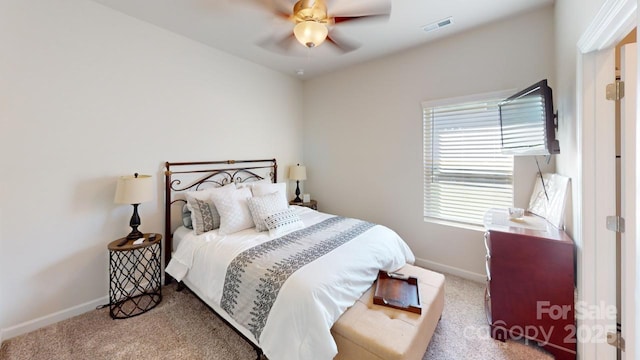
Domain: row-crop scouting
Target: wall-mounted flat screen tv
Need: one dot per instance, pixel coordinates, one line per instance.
(528, 123)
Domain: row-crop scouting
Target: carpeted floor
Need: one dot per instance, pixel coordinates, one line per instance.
(463, 333)
(181, 327)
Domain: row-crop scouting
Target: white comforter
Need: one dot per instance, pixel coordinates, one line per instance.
(312, 299)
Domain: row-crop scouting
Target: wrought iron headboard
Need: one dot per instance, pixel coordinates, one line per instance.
(197, 175)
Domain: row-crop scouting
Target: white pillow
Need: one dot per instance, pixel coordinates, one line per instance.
(261, 188)
(205, 194)
(204, 215)
(283, 222)
(263, 206)
(234, 210)
(250, 184)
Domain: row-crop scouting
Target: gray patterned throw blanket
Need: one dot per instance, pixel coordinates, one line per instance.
(254, 278)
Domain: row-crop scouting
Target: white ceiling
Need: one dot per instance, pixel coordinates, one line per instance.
(239, 26)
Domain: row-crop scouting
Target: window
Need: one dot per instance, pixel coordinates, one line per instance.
(465, 172)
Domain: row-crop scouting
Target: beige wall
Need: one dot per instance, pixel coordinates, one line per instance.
(88, 94)
(571, 19)
(363, 129)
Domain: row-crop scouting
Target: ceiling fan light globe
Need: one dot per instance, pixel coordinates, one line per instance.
(310, 33)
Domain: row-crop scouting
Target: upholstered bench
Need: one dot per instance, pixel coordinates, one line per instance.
(368, 331)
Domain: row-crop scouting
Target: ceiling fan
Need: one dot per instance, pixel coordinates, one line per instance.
(314, 24)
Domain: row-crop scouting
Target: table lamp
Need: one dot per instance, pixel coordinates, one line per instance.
(134, 190)
(297, 173)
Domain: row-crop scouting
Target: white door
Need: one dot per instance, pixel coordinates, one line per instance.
(628, 136)
(597, 255)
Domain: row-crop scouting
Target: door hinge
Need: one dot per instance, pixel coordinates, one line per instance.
(615, 91)
(616, 340)
(615, 223)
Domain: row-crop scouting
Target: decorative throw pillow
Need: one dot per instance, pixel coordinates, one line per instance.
(263, 206)
(283, 222)
(204, 215)
(234, 210)
(261, 188)
(186, 217)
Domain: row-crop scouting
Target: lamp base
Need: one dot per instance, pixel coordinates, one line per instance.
(297, 199)
(134, 223)
(135, 234)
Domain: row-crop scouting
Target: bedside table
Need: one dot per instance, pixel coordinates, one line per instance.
(311, 204)
(134, 276)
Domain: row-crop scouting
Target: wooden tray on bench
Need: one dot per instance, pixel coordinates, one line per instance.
(397, 291)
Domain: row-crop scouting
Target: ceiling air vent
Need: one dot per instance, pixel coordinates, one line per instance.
(438, 24)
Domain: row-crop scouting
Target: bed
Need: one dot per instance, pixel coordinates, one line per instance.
(281, 288)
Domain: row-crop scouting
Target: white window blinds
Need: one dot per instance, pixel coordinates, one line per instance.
(465, 172)
(523, 125)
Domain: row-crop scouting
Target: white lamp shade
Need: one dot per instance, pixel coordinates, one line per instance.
(298, 173)
(310, 33)
(134, 190)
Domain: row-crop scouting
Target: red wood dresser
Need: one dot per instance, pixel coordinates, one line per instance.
(530, 282)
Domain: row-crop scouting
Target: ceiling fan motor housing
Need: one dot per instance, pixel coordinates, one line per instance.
(309, 10)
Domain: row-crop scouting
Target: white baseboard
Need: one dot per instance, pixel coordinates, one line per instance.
(35, 324)
(465, 274)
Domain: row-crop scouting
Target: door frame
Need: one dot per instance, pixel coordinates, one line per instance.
(613, 22)
(629, 184)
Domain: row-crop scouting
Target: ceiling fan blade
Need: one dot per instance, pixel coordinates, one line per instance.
(343, 19)
(356, 8)
(342, 44)
(279, 44)
(273, 6)
(286, 42)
